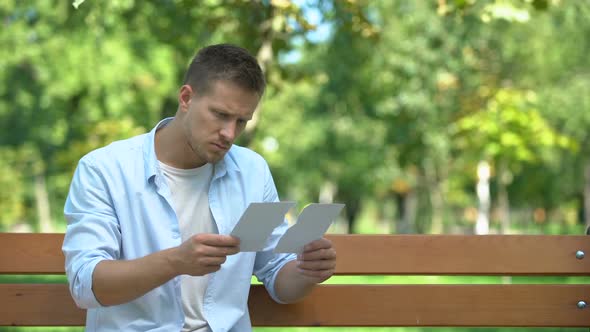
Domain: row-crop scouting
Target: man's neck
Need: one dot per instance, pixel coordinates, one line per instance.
(171, 146)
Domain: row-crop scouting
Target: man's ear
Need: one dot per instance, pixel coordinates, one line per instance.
(184, 97)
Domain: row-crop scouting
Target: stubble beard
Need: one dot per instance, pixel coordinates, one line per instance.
(202, 155)
(199, 157)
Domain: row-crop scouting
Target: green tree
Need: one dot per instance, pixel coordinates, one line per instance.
(509, 133)
(69, 72)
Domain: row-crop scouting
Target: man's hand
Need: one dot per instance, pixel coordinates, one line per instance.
(318, 260)
(203, 253)
(120, 281)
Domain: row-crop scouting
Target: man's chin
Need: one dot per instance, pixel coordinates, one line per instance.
(216, 157)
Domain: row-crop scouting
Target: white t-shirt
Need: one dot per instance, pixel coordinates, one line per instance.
(189, 189)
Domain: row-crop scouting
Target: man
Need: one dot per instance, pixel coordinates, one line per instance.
(146, 245)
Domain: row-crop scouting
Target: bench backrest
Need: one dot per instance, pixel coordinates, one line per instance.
(538, 304)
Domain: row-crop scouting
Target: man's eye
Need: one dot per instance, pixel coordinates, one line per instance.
(220, 115)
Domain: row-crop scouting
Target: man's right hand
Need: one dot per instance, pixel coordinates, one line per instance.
(203, 253)
(120, 281)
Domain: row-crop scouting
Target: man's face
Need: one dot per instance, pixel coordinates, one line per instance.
(212, 121)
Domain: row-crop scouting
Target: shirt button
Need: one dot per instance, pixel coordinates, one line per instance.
(175, 235)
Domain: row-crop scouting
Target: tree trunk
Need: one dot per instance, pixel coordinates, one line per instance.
(482, 225)
(587, 195)
(327, 192)
(265, 57)
(505, 178)
(352, 209)
(42, 202)
(435, 197)
(406, 212)
(436, 200)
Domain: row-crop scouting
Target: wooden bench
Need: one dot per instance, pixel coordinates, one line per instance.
(537, 305)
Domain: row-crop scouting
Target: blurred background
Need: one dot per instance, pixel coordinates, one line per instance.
(447, 116)
(433, 116)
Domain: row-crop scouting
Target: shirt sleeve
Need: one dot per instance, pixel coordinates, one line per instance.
(268, 264)
(92, 234)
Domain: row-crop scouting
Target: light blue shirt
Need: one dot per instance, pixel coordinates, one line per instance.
(119, 208)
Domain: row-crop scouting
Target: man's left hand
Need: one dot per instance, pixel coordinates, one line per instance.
(318, 260)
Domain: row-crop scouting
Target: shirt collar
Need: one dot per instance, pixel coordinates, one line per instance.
(149, 151)
(225, 165)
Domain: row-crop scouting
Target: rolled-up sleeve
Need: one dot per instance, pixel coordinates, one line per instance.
(93, 233)
(268, 264)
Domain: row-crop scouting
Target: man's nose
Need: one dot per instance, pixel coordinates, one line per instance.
(228, 131)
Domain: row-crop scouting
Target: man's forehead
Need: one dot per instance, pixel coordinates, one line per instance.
(228, 85)
(238, 102)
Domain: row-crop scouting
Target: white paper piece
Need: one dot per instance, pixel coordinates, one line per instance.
(312, 224)
(258, 222)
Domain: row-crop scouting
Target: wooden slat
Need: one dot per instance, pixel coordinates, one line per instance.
(429, 305)
(375, 254)
(38, 305)
(23, 253)
(352, 305)
(462, 254)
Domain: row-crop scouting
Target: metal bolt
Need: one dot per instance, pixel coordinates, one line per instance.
(579, 254)
(581, 305)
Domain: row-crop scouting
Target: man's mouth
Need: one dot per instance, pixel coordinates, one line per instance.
(220, 146)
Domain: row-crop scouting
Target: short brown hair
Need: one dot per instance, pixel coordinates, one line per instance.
(225, 62)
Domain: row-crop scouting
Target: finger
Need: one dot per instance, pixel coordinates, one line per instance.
(317, 265)
(322, 243)
(222, 251)
(203, 250)
(211, 261)
(217, 240)
(319, 254)
(206, 270)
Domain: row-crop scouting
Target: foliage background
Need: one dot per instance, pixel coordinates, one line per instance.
(388, 106)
